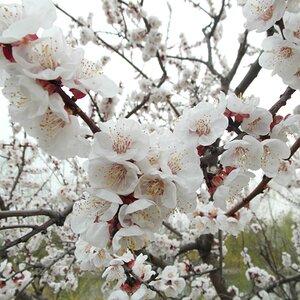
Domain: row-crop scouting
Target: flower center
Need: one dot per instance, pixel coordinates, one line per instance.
(201, 128)
(9, 14)
(241, 152)
(51, 124)
(44, 54)
(121, 143)
(286, 52)
(115, 175)
(155, 187)
(88, 69)
(267, 14)
(254, 122)
(174, 163)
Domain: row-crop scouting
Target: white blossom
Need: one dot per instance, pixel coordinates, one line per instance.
(287, 128)
(121, 140)
(119, 177)
(245, 153)
(169, 282)
(274, 151)
(201, 125)
(48, 57)
(280, 55)
(262, 14)
(18, 21)
(142, 212)
(258, 123)
(158, 188)
(241, 104)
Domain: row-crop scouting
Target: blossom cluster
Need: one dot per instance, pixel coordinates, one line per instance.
(137, 179)
(10, 280)
(281, 51)
(36, 66)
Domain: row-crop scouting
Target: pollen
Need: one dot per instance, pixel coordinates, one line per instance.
(202, 128)
(241, 152)
(266, 154)
(267, 14)
(9, 15)
(44, 54)
(87, 248)
(297, 74)
(155, 187)
(286, 52)
(89, 69)
(296, 34)
(121, 143)
(115, 175)
(254, 122)
(283, 167)
(51, 124)
(175, 163)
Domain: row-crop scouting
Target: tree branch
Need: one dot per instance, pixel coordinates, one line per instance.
(58, 220)
(104, 42)
(260, 187)
(74, 107)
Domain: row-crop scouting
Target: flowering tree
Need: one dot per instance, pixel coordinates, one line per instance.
(176, 160)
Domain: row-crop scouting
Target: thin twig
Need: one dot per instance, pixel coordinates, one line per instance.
(104, 42)
(260, 187)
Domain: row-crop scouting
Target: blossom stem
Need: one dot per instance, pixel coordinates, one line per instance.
(74, 107)
(260, 187)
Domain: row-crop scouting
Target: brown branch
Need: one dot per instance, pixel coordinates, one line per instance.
(216, 19)
(173, 108)
(74, 107)
(29, 213)
(206, 63)
(258, 190)
(240, 54)
(58, 220)
(18, 226)
(282, 101)
(139, 106)
(172, 229)
(186, 248)
(282, 281)
(248, 79)
(2, 204)
(192, 274)
(260, 187)
(204, 247)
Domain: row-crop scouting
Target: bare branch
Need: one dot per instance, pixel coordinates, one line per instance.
(107, 45)
(59, 221)
(241, 52)
(248, 79)
(282, 101)
(172, 229)
(260, 187)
